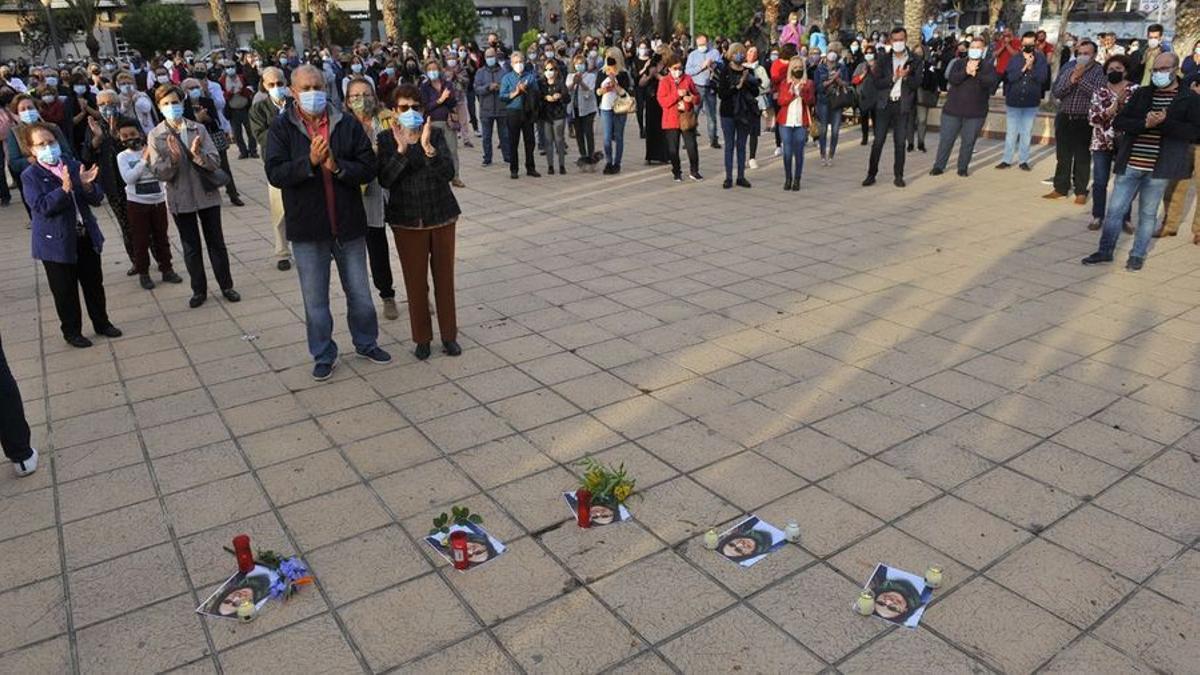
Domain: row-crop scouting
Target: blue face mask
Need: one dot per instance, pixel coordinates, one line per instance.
(80, 89)
(1161, 79)
(278, 93)
(356, 67)
(411, 119)
(51, 81)
(491, 61)
(194, 94)
(389, 71)
(579, 67)
(312, 102)
(49, 154)
(433, 74)
(172, 111)
(29, 116)
(738, 58)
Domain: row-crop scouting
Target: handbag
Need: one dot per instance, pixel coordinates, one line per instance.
(841, 97)
(221, 140)
(687, 120)
(212, 179)
(624, 104)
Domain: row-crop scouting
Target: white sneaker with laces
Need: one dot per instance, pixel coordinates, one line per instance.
(753, 163)
(28, 466)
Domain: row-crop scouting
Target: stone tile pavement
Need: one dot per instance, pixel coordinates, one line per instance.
(915, 376)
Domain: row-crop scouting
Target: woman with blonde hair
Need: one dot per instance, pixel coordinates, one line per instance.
(613, 83)
(796, 96)
(792, 33)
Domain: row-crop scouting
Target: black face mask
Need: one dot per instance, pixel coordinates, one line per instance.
(1116, 77)
(1028, 49)
(797, 74)
(133, 144)
(611, 61)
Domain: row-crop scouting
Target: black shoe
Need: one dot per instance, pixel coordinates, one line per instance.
(1025, 166)
(78, 341)
(727, 184)
(678, 177)
(562, 169)
(1134, 263)
(231, 295)
(172, 278)
(550, 170)
(1003, 165)
(236, 201)
(146, 282)
(514, 176)
(254, 154)
(197, 300)
(616, 169)
(131, 272)
(796, 185)
(936, 171)
(533, 173)
(110, 331)
(742, 182)
(921, 147)
(962, 172)
(283, 265)
(869, 181)
(485, 164)
(608, 170)
(243, 155)
(865, 142)
(1096, 258)
(451, 348)
(716, 145)
(910, 147)
(898, 182)
(422, 351)
(787, 185)
(695, 175)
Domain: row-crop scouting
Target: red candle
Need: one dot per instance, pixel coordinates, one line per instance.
(241, 549)
(458, 550)
(583, 507)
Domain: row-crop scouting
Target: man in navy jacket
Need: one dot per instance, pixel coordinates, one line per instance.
(1025, 78)
(320, 159)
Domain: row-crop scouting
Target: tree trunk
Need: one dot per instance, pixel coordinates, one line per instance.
(372, 12)
(283, 21)
(305, 26)
(571, 19)
(391, 21)
(320, 20)
(1187, 28)
(1056, 58)
(93, 45)
(915, 12)
(994, 9)
(771, 17)
(837, 14)
(220, 13)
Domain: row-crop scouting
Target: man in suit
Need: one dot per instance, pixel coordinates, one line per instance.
(896, 81)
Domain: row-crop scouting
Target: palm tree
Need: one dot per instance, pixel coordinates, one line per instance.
(391, 21)
(320, 20)
(915, 12)
(1187, 27)
(283, 20)
(220, 13)
(571, 18)
(372, 10)
(305, 26)
(771, 16)
(88, 13)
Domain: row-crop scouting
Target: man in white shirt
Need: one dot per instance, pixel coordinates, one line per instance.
(896, 81)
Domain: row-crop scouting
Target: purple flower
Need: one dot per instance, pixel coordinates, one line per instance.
(292, 569)
(279, 589)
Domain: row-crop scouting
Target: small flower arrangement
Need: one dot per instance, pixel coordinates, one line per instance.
(608, 485)
(290, 573)
(459, 515)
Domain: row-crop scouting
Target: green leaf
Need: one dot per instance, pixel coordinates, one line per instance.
(476, 518)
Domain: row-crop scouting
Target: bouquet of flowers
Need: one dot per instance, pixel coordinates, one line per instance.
(609, 486)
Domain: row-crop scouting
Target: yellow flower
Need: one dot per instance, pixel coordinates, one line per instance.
(621, 492)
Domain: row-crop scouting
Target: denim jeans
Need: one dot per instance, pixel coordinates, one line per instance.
(1102, 166)
(1149, 192)
(709, 94)
(831, 126)
(793, 140)
(735, 141)
(614, 136)
(1019, 132)
(312, 264)
(501, 125)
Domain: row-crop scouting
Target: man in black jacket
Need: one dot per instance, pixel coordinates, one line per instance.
(896, 83)
(1158, 126)
(320, 159)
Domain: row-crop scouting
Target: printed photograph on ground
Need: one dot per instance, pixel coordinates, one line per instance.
(750, 541)
(602, 513)
(254, 586)
(900, 597)
(481, 546)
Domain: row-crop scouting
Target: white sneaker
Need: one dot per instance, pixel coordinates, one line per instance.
(753, 164)
(28, 466)
(778, 152)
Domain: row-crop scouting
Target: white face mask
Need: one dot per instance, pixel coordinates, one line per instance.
(1197, 50)
(869, 57)
(1154, 43)
(899, 47)
(518, 67)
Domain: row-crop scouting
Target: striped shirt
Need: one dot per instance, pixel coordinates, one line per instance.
(1143, 155)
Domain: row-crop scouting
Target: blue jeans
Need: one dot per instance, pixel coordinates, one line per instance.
(1102, 166)
(793, 140)
(501, 125)
(735, 139)
(1019, 133)
(1149, 192)
(831, 121)
(614, 136)
(312, 264)
(709, 94)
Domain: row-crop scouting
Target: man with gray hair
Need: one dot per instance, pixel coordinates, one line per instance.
(491, 108)
(262, 113)
(101, 147)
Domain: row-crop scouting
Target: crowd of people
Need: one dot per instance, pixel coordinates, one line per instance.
(360, 141)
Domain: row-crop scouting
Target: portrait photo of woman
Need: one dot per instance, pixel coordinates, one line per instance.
(750, 541)
(900, 597)
(254, 586)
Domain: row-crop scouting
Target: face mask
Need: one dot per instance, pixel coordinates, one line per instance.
(1153, 43)
(29, 116)
(433, 75)
(643, 52)
(312, 102)
(108, 111)
(869, 57)
(899, 47)
(1069, 44)
(172, 111)
(161, 79)
(80, 89)
(194, 94)
(231, 71)
(462, 53)
(702, 46)
(1161, 80)
(1084, 59)
(126, 89)
(451, 63)
(518, 67)
(739, 58)
(363, 105)
(774, 56)
(51, 81)
(797, 74)
(550, 74)
(832, 57)
(389, 71)
(134, 144)
(49, 154)
(854, 48)
(579, 67)
(593, 54)
(257, 64)
(49, 98)
(356, 67)
(1028, 49)
(411, 119)
(1116, 77)
(491, 61)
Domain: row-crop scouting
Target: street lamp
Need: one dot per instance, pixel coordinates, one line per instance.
(53, 32)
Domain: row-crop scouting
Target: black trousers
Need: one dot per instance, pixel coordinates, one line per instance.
(689, 142)
(1072, 137)
(116, 202)
(890, 119)
(520, 125)
(190, 226)
(380, 261)
(14, 430)
(67, 280)
(585, 137)
(240, 121)
(866, 115)
(230, 187)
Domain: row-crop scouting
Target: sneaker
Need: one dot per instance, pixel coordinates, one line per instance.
(389, 309)
(778, 152)
(753, 163)
(1048, 181)
(1134, 263)
(451, 348)
(1025, 167)
(375, 355)
(27, 466)
(146, 282)
(935, 171)
(172, 278)
(695, 175)
(715, 145)
(1094, 225)
(1053, 194)
(1081, 199)
(1096, 259)
(678, 178)
(324, 371)
(457, 182)
(1003, 165)
(283, 265)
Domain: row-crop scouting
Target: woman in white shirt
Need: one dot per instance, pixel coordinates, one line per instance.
(613, 83)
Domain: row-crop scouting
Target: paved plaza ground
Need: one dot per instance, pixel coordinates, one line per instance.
(916, 377)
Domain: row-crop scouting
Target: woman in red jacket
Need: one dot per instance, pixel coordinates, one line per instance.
(796, 96)
(678, 94)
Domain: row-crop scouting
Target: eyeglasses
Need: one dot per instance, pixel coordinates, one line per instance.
(405, 107)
